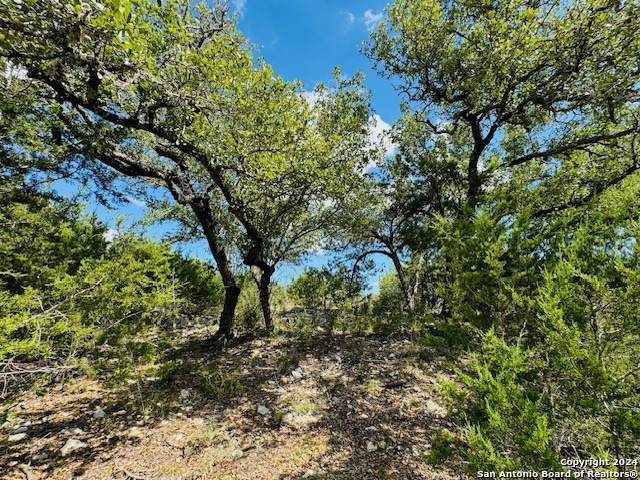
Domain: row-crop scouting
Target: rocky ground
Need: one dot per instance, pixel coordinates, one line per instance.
(320, 407)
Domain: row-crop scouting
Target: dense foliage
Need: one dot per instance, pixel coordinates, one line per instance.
(509, 210)
(520, 135)
(66, 291)
(126, 86)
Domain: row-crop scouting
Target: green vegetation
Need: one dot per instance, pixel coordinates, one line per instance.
(509, 209)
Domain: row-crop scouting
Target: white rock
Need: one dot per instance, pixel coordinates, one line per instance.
(99, 414)
(371, 447)
(185, 394)
(17, 437)
(40, 456)
(371, 429)
(67, 432)
(71, 445)
(198, 421)
(237, 453)
(21, 430)
(382, 444)
(433, 408)
(135, 432)
(262, 410)
(180, 437)
(120, 412)
(297, 373)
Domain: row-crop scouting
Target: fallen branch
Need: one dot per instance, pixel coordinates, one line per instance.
(17, 369)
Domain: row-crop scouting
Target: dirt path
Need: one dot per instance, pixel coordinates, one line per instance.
(325, 407)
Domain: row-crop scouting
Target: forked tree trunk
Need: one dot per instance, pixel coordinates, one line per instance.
(263, 281)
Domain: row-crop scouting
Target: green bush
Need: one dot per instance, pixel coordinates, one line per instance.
(505, 418)
(65, 294)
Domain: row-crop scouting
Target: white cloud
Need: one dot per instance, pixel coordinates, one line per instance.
(351, 18)
(312, 97)
(137, 203)
(110, 235)
(380, 135)
(371, 20)
(240, 6)
(15, 71)
(318, 250)
(378, 140)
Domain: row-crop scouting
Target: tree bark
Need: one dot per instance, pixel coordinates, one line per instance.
(397, 263)
(415, 290)
(263, 281)
(200, 206)
(225, 331)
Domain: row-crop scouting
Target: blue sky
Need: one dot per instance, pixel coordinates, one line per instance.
(305, 39)
(302, 40)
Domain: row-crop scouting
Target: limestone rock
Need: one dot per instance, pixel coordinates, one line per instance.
(71, 446)
(17, 437)
(185, 395)
(237, 453)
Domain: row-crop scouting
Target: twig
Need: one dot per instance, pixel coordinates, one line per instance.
(17, 370)
(134, 476)
(26, 470)
(27, 371)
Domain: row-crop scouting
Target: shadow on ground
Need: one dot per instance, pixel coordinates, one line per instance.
(331, 407)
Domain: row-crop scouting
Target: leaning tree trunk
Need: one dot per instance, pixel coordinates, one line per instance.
(202, 209)
(404, 285)
(262, 278)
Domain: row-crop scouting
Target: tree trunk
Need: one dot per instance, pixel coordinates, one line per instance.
(406, 293)
(263, 281)
(392, 253)
(231, 295)
(202, 209)
(415, 290)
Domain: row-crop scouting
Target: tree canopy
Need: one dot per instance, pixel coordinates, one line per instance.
(170, 93)
(509, 207)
